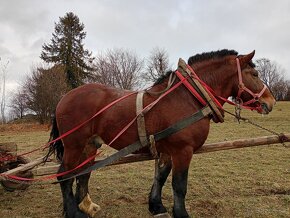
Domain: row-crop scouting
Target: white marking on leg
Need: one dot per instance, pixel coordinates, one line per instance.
(88, 207)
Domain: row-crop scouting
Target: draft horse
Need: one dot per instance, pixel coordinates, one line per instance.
(217, 69)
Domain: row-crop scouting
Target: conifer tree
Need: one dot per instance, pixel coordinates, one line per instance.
(67, 48)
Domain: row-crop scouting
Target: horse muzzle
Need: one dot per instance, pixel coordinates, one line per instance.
(267, 106)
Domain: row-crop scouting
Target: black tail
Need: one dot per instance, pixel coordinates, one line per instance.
(56, 147)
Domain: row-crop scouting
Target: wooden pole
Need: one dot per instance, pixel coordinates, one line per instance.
(24, 167)
(240, 143)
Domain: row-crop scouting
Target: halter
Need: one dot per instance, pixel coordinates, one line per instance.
(243, 88)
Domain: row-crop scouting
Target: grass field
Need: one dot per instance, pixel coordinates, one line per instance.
(248, 182)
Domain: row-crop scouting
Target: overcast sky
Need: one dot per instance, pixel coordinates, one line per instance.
(182, 27)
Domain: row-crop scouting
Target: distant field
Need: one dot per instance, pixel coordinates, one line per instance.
(249, 182)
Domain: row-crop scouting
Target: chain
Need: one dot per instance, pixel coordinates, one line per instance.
(237, 115)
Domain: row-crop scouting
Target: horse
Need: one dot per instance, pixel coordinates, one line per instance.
(218, 69)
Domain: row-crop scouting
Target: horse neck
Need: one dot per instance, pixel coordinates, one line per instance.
(218, 76)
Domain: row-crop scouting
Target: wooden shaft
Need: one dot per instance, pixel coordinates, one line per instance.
(240, 143)
(24, 167)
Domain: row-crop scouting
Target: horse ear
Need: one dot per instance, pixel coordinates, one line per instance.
(245, 59)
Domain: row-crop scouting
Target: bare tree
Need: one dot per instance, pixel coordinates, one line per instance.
(287, 97)
(4, 67)
(273, 76)
(119, 68)
(156, 65)
(18, 104)
(43, 90)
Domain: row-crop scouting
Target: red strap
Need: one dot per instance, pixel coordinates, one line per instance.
(148, 107)
(190, 88)
(258, 108)
(116, 137)
(208, 88)
(75, 128)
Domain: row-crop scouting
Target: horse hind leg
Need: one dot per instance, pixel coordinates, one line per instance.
(70, 208)
(82, 196)
(162, 169)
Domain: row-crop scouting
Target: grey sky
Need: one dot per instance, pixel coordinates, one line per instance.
(182, 27)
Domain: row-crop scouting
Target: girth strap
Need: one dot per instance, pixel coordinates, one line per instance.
(140, 119)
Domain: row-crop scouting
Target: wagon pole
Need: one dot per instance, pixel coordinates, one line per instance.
(218, 146)
(243, 143)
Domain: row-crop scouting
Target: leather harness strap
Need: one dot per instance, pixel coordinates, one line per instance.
(140, 119)
(202, 113)
(142, 128)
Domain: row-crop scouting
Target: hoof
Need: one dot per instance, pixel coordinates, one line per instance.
(94, 209)
(162, 215)
(88, 207)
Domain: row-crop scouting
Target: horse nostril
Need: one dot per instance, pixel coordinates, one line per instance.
(266, 108)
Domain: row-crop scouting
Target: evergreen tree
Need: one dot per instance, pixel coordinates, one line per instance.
(67, 48)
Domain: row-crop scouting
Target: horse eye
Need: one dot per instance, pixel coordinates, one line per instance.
(255, 74)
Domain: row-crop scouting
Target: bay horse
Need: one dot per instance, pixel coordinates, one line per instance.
(217, 69)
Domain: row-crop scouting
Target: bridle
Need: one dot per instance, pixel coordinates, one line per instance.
(243, 88)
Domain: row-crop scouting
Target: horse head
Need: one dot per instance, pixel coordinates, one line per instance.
(250, 89)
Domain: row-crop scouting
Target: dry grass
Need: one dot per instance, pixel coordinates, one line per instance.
(249, 182)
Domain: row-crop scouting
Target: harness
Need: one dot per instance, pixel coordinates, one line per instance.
(206, 96)
(202, 92)
(143, 138)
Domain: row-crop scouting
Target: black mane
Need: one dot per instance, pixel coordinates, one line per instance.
(202, 57)
(162, 78)
(211, 55)
(214, 54)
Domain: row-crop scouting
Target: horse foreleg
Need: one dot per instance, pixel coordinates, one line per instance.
(69, 203)
(180, 162)
(162, 169)
(83, 198)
